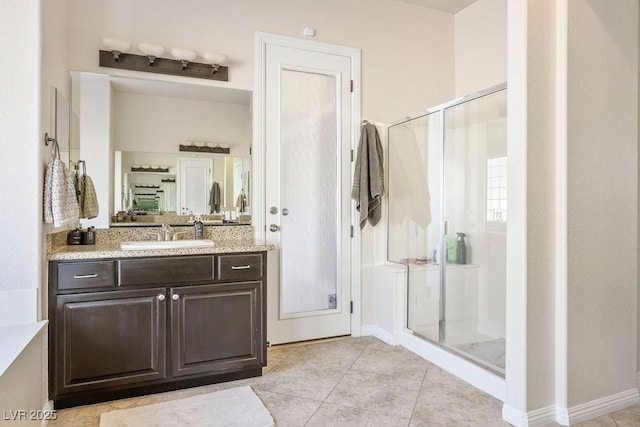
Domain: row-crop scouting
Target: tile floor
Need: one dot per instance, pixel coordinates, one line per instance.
(352, 382)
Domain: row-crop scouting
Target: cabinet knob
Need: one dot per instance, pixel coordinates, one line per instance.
(161, 297)
(175, 297)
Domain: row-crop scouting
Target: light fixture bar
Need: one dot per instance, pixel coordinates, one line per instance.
(204, 149)
(128, 61)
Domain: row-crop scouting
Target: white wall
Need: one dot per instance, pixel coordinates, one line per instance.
(21, 168)
(602, 152)
(480, 46)
(571, 319)
(407, 50)
(35, 41)
(159, 124)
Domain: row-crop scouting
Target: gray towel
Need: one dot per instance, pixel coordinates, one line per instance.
(368, 179)
(87, 198)
(214, 197)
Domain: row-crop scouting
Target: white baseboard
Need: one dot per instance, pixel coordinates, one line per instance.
(573, 415)
(381, 334)
(539, 417)
(47, 409)
(597, 407)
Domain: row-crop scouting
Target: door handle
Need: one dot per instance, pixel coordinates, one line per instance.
(274, 228)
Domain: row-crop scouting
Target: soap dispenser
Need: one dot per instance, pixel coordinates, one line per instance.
(198, 228)
(461, 249)
(74, 237)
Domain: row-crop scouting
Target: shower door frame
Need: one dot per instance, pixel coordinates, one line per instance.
(441, 109)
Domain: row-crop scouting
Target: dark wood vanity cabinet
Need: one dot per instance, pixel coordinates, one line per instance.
(109, 339)
(214, 328)
(134, 326)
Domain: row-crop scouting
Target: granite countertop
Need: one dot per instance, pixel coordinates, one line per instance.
(112, 250)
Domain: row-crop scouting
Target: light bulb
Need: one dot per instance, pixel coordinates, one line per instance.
(215, 59)
(183, 55)
(151, 51)
(116, 46)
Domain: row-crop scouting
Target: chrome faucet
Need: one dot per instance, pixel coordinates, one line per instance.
(156, 235)
(179, 233)
(167, 230)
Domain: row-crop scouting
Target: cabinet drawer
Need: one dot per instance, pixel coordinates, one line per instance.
(86, 274)
(166, 270)
(231, 267)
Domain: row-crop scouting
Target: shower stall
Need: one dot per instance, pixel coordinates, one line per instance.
(447, 223)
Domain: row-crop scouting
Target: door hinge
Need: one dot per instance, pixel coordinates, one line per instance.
(352, 231)
(351, 307)
(249, 150)
(352, 155)
(351, 86)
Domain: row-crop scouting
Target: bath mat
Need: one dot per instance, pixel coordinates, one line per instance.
(235, 407)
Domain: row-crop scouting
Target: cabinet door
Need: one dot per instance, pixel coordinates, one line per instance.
(105, 339)
(216, 328)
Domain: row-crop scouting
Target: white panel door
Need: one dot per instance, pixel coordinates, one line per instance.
(195, 177)
(307, 192)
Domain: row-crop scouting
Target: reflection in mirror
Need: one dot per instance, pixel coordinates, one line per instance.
(126, 122)
(155, 183)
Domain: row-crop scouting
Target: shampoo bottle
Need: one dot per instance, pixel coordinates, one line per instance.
(461, 250)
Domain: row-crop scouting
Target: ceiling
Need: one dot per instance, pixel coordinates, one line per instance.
(451, 6)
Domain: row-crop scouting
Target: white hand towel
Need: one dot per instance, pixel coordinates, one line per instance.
(60, 204)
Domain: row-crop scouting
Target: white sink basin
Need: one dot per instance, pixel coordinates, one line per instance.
(172, 244)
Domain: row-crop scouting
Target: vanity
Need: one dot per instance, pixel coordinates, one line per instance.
(126, 323)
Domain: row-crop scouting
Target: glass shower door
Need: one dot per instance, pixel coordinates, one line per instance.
(415, 221)
(475, 211)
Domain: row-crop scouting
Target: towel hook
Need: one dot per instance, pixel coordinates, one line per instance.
(48, 139)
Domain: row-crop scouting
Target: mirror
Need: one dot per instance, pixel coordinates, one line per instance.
(140, 124)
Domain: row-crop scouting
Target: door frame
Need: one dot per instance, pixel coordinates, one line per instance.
(258, 215)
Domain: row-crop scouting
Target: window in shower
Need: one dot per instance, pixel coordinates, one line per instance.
(497, 189)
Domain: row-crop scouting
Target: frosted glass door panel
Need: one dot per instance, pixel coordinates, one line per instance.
(309, 182)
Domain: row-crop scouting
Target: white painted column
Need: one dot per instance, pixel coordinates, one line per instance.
(95, 141)
(573, 205)
(601, 199)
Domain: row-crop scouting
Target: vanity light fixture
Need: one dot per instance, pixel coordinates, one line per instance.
(116, 47)
(151, 61)
(151, 51)
(217, 149)
(215, 59)
(184, 56)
